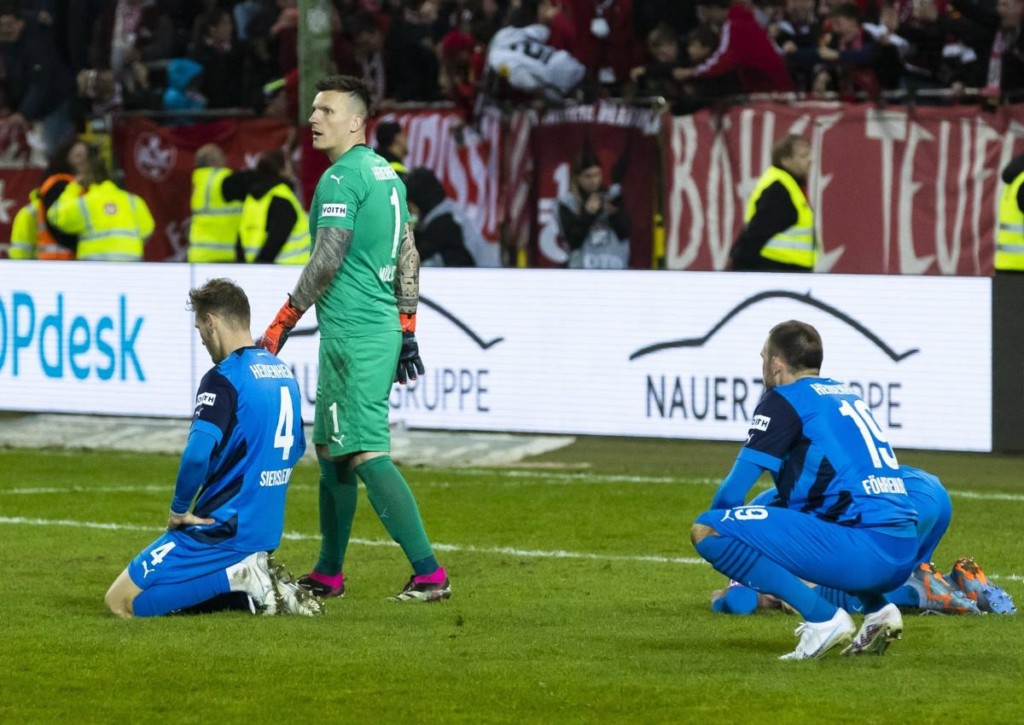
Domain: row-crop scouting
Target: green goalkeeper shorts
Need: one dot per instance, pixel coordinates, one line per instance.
(352, 389)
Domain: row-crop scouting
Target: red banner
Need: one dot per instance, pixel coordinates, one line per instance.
(895, 190)
(617, 135)
(157, 162)
(21, 170)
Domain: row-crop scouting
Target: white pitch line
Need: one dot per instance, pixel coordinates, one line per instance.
(29, 491)
(500, 550)
(975, 495)
(294, 536)
(540, 478)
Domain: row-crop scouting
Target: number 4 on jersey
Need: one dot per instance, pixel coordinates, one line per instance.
(283, 436)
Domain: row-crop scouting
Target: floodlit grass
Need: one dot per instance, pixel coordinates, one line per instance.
(577, 598)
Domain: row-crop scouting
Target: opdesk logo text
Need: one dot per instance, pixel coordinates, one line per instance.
(41, 334)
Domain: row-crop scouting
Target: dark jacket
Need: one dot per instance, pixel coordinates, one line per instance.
(38, 81)
(441, 235)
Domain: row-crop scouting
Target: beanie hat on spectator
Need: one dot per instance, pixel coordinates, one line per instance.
(455, 42)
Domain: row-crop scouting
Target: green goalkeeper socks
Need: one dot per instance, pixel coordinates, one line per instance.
(395, 506)
(339, 494)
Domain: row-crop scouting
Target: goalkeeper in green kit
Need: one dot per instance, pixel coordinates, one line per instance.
(363, 277)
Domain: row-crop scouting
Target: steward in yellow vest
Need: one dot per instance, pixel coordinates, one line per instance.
(112, 224)
(31, 236)
(24, 229)
(778, 232)
(217, 196)
(274, 226)
(1010, 228)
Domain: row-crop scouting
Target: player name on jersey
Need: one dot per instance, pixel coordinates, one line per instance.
(884, 484)
(270, 371)
(383, 173)
(280, 477)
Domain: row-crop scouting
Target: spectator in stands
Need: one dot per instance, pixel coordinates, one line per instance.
(605, 41)
(1003, 46)
(855, 61)
(112, 225)
(368, 51)
(799, 28)
(184, 78)
(591, 217)
(410, 53)
(281, 96)
(744, 48)
(655, 77)
(527, 65)
(444, 237)
(937, 57)
(216, 204)
(393, 145)
(698, 93)
(274, 228)
(778, 231)
(462, 62)
(39, 85)
(227, 80)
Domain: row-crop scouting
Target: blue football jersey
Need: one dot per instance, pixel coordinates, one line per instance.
(828, 455)
(251, 403)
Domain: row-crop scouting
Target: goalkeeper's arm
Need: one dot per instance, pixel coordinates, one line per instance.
(407, 296)
(328, 255)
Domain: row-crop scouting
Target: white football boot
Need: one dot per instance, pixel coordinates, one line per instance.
(817, 638)
(877, 632)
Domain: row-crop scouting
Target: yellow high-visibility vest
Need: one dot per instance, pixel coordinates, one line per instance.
(1010, 233)
(794, 245)
(253, 229)
(112, 224)
(24, 230)
(213, 231)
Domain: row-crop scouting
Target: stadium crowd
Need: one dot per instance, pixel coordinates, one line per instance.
(62, 63)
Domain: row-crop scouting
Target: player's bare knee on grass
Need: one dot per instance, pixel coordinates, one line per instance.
(117, 603)
(120, 596)
(699, 532)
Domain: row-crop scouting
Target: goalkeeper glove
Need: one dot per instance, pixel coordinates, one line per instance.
(276, 335)
(409, 363)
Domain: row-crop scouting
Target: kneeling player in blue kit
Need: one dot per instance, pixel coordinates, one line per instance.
(846, 520)
(965, 590)
(246, 436)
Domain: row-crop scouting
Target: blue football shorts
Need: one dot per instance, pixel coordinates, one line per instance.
(818, 551)
(176, 558)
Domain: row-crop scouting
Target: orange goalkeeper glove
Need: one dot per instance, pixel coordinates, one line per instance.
(276, 335)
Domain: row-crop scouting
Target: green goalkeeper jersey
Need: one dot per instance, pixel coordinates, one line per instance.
(360, 192)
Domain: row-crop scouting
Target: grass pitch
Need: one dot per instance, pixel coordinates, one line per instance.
(576, 598)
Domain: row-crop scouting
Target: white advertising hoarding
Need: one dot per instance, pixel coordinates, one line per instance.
(91, 337)
(663, 354)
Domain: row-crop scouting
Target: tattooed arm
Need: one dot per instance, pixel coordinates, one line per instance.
(407, 279)
(328, 255)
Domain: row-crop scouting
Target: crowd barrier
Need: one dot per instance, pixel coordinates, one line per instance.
(653, 354)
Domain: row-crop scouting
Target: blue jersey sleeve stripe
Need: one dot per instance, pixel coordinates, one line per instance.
(205, 426)
(763, 460)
